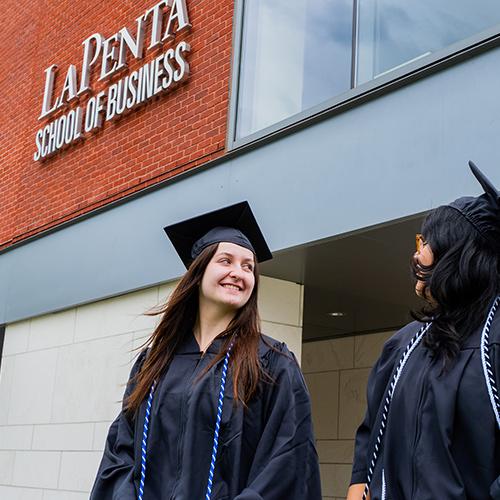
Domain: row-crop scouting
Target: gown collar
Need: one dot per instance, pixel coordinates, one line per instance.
(189, 345)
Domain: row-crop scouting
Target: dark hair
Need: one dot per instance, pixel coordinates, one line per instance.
(179, 316)
(460, 284)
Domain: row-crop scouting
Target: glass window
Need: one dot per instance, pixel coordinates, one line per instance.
(295, 54)
(392, 33)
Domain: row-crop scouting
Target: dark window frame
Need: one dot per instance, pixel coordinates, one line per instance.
(2, 338)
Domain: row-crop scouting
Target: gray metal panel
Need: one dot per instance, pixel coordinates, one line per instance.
(394, 156)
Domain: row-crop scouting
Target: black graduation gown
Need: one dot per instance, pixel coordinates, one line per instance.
(266, 451)
(441, 439)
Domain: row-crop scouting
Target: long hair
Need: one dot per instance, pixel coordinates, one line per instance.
(179, 316)
(460, 284)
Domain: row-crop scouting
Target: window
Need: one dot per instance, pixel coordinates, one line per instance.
(297, 55)
(392, 33)
(285, 47)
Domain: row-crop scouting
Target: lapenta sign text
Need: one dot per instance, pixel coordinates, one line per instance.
(171, 67)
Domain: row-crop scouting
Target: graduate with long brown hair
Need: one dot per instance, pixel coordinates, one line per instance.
(213, 408)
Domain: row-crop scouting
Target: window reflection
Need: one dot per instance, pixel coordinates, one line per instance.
(294, 55)
(392, 33)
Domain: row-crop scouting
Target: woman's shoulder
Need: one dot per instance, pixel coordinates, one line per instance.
(403, 336)
(280, 364)
(274, 353)
(267, 344)
(396, 343)
(139, 361)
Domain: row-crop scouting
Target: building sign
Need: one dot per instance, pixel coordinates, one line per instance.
(161, 75)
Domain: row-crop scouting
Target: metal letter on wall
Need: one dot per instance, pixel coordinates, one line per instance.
(77, 112)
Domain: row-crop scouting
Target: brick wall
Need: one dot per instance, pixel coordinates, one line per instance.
(177, 131)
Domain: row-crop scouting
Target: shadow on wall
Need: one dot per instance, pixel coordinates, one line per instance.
(336, 372)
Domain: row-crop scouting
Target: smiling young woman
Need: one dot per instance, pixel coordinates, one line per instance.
(213, 408)
(226, 286)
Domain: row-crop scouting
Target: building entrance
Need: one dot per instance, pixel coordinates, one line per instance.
(358, 291)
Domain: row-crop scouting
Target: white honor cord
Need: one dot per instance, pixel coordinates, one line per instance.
(402, 362)
(485, 360)
(383, 486)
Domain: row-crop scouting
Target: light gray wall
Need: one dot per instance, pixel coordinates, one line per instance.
(51, 438)
(400, 154)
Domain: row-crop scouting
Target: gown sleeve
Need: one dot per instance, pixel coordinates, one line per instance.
(495, 358)
(115, 476)
(377, 383)
(285, 463)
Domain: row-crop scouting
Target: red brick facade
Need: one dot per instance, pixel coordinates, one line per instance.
(177, 131)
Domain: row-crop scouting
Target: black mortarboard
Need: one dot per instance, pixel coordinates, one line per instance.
(483, 212)
(233, 224)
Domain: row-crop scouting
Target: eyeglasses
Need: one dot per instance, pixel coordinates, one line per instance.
(419, 242)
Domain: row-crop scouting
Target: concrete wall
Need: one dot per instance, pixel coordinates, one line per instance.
(336, 373)
(62, 379)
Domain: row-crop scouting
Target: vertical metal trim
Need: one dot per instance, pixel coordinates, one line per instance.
(2, 338)
(354, 55)
(235, 72)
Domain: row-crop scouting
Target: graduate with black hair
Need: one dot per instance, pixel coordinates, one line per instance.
(213, 408)
(432, 427)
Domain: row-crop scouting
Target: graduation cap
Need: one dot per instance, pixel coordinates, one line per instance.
(483, 212)
(232, 224)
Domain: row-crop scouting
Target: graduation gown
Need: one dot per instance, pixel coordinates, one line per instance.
(266, 451)
(441, 440)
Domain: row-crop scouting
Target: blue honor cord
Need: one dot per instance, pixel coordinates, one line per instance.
(145, 431)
